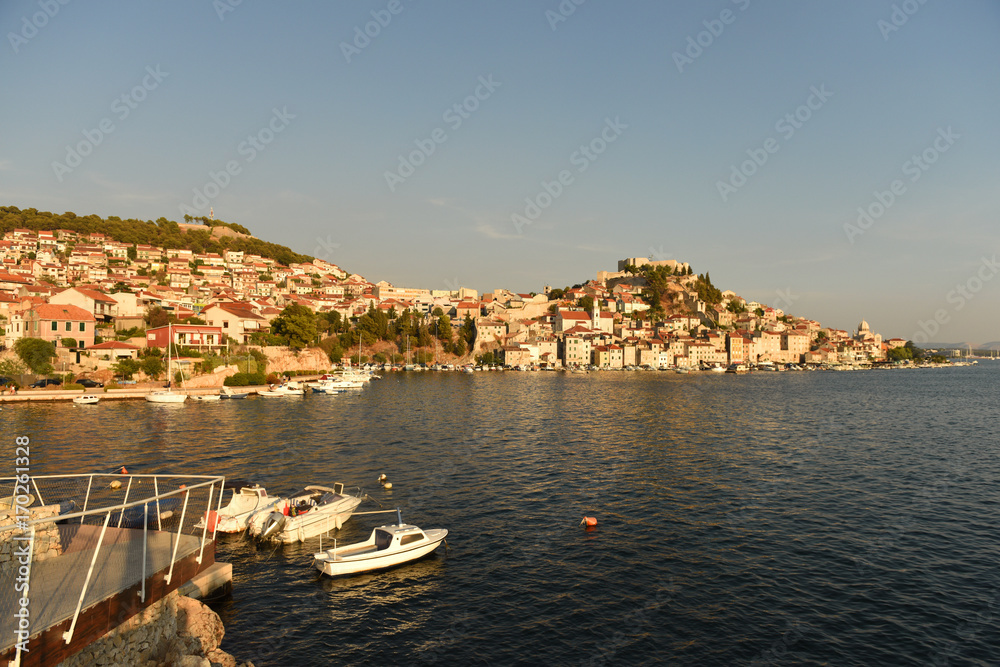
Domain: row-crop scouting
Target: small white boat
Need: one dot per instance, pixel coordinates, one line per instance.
(227, 393)
(287, 389)
(206, 397)
(315, 510)
(388, 546)
(246, 500)
(86, 399)
(327, 387)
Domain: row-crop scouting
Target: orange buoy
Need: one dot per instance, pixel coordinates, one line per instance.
(589, 521)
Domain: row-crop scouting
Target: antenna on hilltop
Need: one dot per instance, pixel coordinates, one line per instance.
(211, 213)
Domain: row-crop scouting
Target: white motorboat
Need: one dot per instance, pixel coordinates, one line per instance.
(738, 368)
(206, 397)
(246, 500)
(287, 389)
(87, 399)
(388, 546)
(315, 510)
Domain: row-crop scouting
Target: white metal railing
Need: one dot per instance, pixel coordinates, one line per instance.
(59, 488)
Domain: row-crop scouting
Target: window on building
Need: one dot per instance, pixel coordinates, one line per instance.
(55, 326)
(69, 326)
(83, 327)
(80, 343)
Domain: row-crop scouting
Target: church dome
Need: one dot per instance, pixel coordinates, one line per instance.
(863, 327)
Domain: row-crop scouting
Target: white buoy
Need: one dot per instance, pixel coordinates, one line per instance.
(116, 484)
(382, 477)
(388, 485)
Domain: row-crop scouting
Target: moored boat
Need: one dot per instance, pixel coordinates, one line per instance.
(314, 510)
(387, 546)
(227, 393)
(86, 399)
(287, 389)
(246, 500)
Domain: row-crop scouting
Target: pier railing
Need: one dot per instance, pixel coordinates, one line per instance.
(96, 535)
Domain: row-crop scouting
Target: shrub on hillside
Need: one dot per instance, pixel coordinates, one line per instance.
(244, 379)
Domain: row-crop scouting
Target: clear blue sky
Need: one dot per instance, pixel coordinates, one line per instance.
(654, 190)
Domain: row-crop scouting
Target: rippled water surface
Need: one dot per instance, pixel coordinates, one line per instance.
(783, 518)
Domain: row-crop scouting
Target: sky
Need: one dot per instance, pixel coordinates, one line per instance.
(838, 160)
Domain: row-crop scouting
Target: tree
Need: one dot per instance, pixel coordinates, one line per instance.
(556, 294)
(125, 367)
(68, 342)
(36, 353)
(444, 328)
(468, 331)
(586, 303)
(9, 367)
(297, 324)
(157, 317)
(152, 366)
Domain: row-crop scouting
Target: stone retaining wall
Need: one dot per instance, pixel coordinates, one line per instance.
(176, 631)
(47, 543)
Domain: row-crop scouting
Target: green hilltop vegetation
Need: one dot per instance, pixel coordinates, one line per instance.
(162, 233)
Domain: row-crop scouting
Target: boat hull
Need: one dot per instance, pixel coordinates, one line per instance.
(303, 526)
(330, 564)
(166, 397)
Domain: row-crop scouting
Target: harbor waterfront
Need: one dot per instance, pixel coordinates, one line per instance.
(763, 518)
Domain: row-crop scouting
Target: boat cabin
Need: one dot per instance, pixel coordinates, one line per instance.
(403, 535)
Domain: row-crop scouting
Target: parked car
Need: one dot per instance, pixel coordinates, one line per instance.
(4, 380)
(45, 382)
(88, 383)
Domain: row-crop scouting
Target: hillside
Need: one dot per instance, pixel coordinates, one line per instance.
(213, 236)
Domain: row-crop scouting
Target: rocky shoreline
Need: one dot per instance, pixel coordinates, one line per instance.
(176, 631)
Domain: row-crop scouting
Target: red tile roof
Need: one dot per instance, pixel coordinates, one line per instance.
(55, 311)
